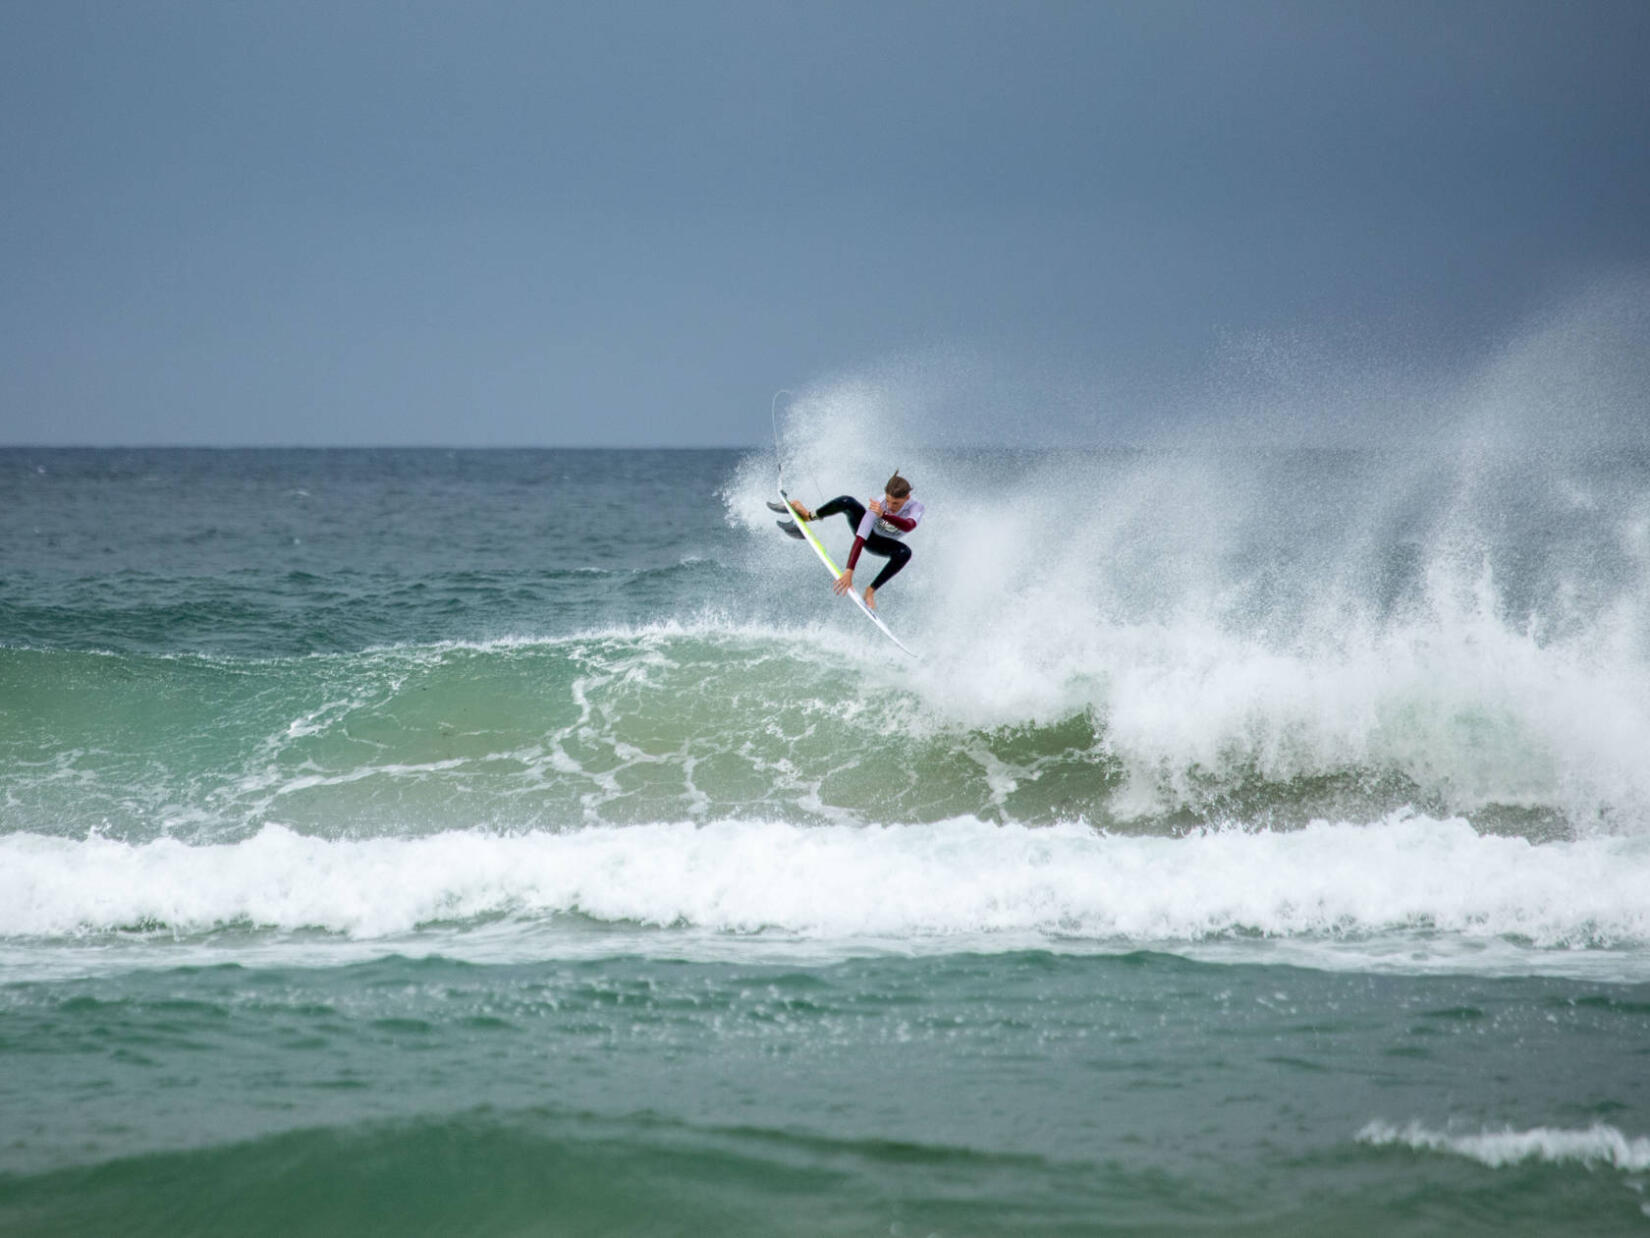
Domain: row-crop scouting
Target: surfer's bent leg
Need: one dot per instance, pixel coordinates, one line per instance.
(843, 503)
(897, 553)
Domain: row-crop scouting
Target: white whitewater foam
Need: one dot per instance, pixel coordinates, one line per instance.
(1439, 885)
(1597, 1145)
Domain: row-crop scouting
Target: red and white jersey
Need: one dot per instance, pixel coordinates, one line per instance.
(890, 525)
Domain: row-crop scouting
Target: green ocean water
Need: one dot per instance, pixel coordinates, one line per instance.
(523, 843)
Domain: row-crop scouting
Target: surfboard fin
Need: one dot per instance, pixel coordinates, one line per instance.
(778, 507)
(790, 529)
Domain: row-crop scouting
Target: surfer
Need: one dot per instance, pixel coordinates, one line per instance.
(878, 527)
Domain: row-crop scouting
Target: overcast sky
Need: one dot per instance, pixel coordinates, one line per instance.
(629, 223)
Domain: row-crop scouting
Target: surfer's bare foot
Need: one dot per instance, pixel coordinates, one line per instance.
(870, 597)
(802, 513)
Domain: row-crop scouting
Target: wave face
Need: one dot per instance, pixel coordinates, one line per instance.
(710, 722)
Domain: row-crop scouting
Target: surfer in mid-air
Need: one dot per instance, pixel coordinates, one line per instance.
(878, 527)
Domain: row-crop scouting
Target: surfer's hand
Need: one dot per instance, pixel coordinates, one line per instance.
(876, 506)
(844, 582)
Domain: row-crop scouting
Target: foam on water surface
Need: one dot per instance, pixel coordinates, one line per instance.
(1600, 1144)
(1453, 897)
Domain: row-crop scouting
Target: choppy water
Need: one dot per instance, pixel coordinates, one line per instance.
(525, 842)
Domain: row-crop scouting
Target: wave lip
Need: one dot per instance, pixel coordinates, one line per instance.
(1599, 1144)
(1406, 879)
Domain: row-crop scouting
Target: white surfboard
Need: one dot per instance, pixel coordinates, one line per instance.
(807, 534)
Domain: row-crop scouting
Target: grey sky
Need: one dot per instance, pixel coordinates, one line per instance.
(628, 223)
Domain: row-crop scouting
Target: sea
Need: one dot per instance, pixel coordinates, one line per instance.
(527, 842)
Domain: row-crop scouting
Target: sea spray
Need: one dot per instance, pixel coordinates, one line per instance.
(1464, 611)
